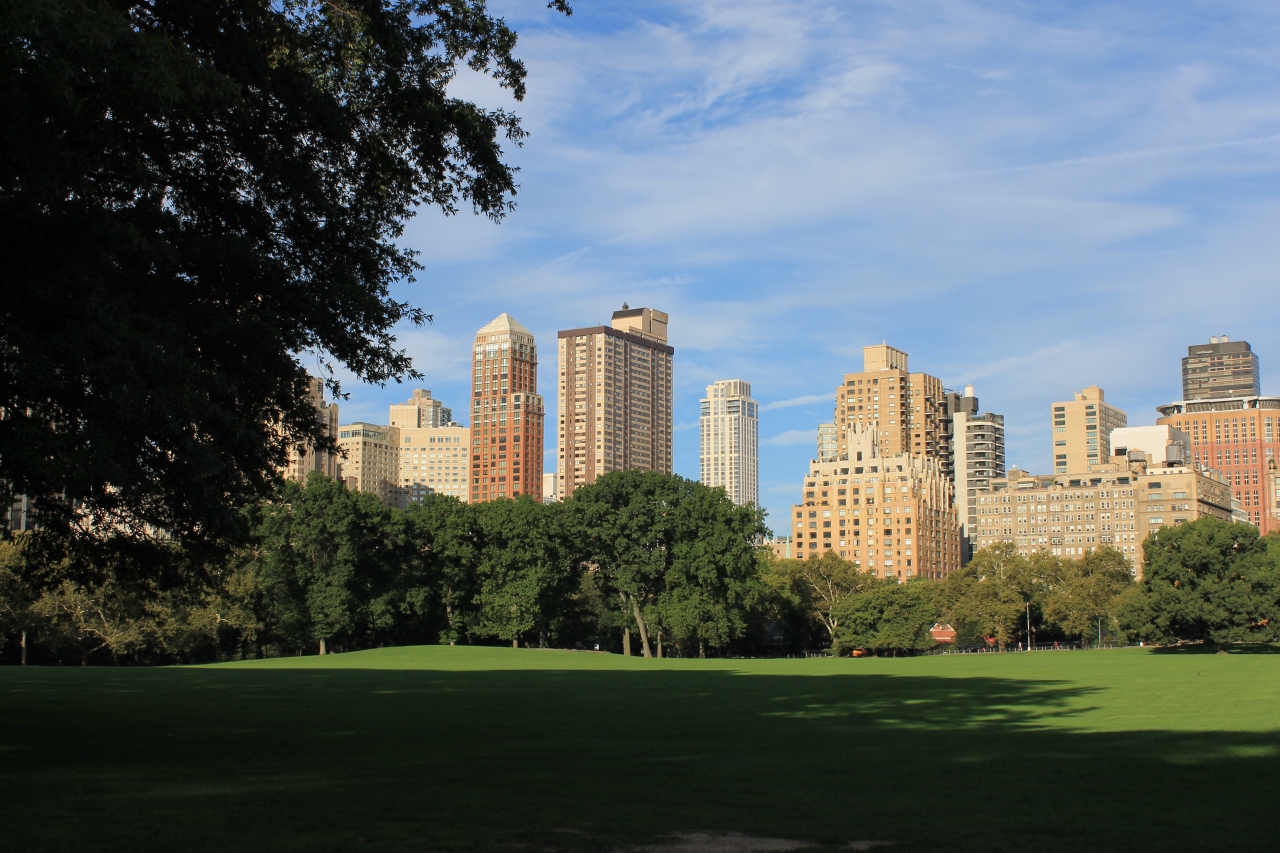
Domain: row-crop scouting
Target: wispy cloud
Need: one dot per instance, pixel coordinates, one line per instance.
(792, 437)
(1030, 198)
(798, 401)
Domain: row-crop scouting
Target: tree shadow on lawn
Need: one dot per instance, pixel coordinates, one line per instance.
(1213, 649)
(235, 759)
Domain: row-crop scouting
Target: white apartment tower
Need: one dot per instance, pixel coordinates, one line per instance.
(730, 440)
(977, 455)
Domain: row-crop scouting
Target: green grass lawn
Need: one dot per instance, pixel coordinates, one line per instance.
(432, 748)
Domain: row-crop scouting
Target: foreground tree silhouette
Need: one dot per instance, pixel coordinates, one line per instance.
(196, 197)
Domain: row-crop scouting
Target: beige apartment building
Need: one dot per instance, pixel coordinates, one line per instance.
(371, 461)
(506, 413)
(1116, 505)
(421, 410)
(304, 460)
(729, 435)
(615, 400)
(891, 513)
(435, 460)
(1082, 431)
(906, 410)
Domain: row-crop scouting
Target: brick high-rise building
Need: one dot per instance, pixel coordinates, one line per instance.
(1082, 431)
(894, 514)
(506, 413)
(1239, 436)
(730, 440)
(615, 399)
(1233, 428)
(906, 410)
(1220, 369)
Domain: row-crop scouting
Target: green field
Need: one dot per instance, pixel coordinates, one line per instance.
(435, 748)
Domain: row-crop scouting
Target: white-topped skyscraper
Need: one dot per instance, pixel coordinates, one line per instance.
(977, 459)
(730, 440)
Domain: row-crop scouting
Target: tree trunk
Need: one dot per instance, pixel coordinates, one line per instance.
(448, 616)
(24, 646)
(626, 641)
(322, 648)
(702, 648)
(659, 642)
(640, 626)
(515, 644)
(644, 633)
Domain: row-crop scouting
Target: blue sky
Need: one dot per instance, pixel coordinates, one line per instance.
(1029, 197)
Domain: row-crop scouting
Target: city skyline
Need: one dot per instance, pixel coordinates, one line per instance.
(1028, 434)
(1031, 200)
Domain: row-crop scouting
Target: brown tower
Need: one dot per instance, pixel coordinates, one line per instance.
(506, 413)
(615, 398)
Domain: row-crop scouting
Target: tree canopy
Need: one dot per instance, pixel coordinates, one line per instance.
(1208, 581)
(198, 197)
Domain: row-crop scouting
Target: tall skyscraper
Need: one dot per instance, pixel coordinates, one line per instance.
(506, 413)
(302, 461)
(1220, 369)
(615, 398)
(730, 440)
(977, 453)
(1239, 436)
(421, 410)
(1082, 431)
(907, 410)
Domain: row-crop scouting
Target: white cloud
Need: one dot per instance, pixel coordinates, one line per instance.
(798, 401)
(792, 437)
(1032, 200)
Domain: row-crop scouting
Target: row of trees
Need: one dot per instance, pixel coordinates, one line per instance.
(331, 569)
(637, 562)
(1206, 581)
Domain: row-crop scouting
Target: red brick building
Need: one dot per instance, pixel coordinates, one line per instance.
(1239, 436)
(506, 413)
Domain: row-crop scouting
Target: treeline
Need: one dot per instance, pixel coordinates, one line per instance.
(1207, 581)
(638, 562)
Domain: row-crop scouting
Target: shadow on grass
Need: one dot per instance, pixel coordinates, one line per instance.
(1213, 649)
(588, 761)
